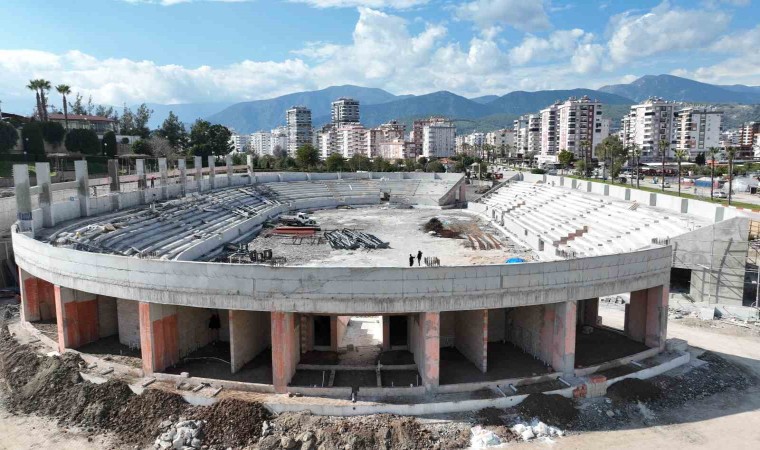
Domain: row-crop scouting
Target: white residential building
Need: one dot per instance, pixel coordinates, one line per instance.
(351, 139)
(502, 140)
(345, 110)
(730, 138)
(549, 134)
(527, 129)
(647, 124)
(438, 139)
(299, 128)
(240, 142)
(697, 129)
(327, 140)
(392, 131)
(579, 122)
(261, 143)
(394, 149)
(279, 140)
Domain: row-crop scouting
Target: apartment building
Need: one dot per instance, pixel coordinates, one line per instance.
(351, 139)
(279, 140)
(549, 134)
(327, 142)
(647, 124)
(299, 128)
(697, 129)
(579, 123)
(502, 140)
(438, 138)
(240, 142)
(527, 131)
(392, 131)
(261, 143)
(345, 110)
(747, 137)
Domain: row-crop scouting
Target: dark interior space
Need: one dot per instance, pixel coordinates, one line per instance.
(322, 331)
(398, 330)
(680, 280)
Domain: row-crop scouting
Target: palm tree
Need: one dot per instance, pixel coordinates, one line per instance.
(34, 86)
(730, 153)
(680, 155)
(585, 146)
(663, 147)
(712, 153)
(44, 88)
(64, 90)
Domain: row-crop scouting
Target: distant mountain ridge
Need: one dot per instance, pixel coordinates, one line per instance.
(679, 89)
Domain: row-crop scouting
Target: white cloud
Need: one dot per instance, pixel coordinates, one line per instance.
(177, 2)
(521, 14)
(379, 4)
(663, 29)
(558, 44)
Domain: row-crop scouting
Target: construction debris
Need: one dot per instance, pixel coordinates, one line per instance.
(347, 239)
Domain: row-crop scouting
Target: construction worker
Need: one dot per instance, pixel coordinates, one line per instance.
(411, 260)
(419, 257)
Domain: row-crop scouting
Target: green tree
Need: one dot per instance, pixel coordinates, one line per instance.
(610, 151)
(712, 152)
(64, 90)
(359, 162)
(381, 164)
(410, 164)
(127, 121)
(566, 158)
(8, 137)
(53, 133)
(730, 153)
(174, 131)
(77, 107)
(82, 141)
(32, 139)
(307, 156)
(585, 147)
(34, 85)
(700, 159)
(680, 155)
(207, 139)
(109, 144)
(335, 163)
(141, 118)
(435, 166)
(636, 157)
(142, 147)
(663, 147)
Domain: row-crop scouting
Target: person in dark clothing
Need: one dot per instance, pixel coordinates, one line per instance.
(419, 257)
(214, 324)
(411, 260)
(152, 181)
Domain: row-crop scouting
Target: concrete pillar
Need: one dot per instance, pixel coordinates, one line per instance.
(77, 317)
(590, 312)
(334, 340)
(249, 167)
(182, 176)
(37, 298)
(426, 345)
(636, 316)
(83, 187)
(563, 348)
(657, 316)
(212, 172)
(141, 179)
(471, 331)
(285, 349)
(159, 337)
(228, 163)
(307, 332)
(250, 334)
(23, 196)
(163, 173)
(386, 333)
(113, 183)
(46, 195)
(198, 165)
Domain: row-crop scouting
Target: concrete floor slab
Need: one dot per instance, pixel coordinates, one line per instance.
(212, 361)
(603, 345)
(504, 361)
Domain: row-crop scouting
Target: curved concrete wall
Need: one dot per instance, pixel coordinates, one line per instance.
(342, 290)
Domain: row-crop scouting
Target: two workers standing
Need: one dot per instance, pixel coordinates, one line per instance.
(419, 259)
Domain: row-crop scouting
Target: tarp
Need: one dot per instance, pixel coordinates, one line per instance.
(515, 261)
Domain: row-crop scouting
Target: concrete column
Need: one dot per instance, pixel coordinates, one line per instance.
(426, 345)
(77, 317)
(113, 183)
(83, 187)
(636, 316)
(386, 333)
(182, 176)
(307, 332)
(159, 337)
(211, 172)
(285, 349)
(46, 197)
(198, 165)
(563, 348)
(334, 333)
(141, 179)
(590, 312)
(249, 167)
(228, 163)
(471, 331)
(23, 196)
(37, 298)
(657, 316)
(250, 334)
(163, 173)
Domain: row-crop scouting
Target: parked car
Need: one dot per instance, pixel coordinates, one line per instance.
(720, 194)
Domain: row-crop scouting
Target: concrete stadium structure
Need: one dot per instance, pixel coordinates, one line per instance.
(134, 264)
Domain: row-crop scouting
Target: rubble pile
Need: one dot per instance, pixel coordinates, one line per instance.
(552, 409)
(185, 435)
(232, 423)
(535, 429)
(633, 390)
(142, 417)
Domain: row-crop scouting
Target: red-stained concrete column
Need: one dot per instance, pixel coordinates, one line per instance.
(563, 349)
(590, 311)
(159, 336)
(636, 316)
(285, 349)
(657, 316)
(430, 334)
(37, 298)
(76, 316)
(386, 333)
(307, 332)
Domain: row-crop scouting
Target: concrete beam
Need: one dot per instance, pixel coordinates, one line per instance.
(285, 349)
(45, 199)
(77, 317)
(198, 173)
(182, 176)
(83, 187)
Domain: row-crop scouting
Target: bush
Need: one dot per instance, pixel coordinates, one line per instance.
(53, 133)
(8, 137)
(142, 147)
(109, 144)
(81, 141)
(32, 139)
(537, 171)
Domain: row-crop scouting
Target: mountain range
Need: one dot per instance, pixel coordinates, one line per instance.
(487, 112)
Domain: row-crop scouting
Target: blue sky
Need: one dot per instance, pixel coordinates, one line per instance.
(179, 51)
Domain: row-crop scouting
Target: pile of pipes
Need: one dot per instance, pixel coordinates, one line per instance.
(346, 239)
(432, 261)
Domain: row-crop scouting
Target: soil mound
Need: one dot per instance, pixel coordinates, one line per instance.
(139, 419)
(434, 225)
(634, 390)
(231, 423)
(551, 409)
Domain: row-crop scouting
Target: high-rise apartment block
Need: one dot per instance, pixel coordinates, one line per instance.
(299, 128)
(747, 137)
(438, 138)
(261, 143)
(345, 110)
(580, 126)
(697, 129)
(527, 129)
(649, 123)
